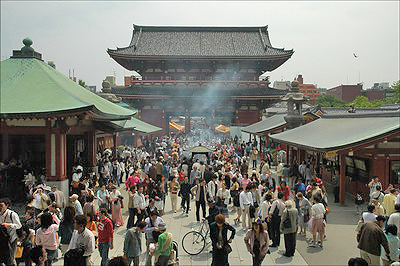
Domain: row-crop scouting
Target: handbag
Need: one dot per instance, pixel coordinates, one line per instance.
(359, 224)
(19, 252)
(287, 223)
(227, 249)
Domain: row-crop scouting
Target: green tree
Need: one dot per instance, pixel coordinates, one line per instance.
(330, 101)
(362, 102)
(396, 91)
(82, 83)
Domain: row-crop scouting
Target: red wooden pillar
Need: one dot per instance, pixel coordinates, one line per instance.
(60, 156)
(115, 145)
(92, 144)
(287, 153)
(342, 178)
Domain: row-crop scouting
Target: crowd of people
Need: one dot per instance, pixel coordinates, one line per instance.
(235, 179)
(378, 230)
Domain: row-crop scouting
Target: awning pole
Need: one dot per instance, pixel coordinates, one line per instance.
(342, 179)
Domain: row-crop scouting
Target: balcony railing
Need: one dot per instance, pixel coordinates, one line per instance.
(200, 83)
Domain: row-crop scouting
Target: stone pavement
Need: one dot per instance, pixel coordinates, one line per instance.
(179, 225)
(340, 244)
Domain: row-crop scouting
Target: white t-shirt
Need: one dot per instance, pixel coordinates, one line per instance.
(368, 217)
(318, 210)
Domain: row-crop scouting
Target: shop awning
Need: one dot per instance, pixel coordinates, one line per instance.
(137, 125)
(331, 133)
(269, 123)
(176, 126)
(222, 129)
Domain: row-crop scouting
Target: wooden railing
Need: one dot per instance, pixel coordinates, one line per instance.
(200, 83)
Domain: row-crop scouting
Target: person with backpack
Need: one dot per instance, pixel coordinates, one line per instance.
(164, 246)
(132, 244)
(66, 228)
(82, 244)
(38, 255)
(152, 232)
(9, 224)
(47, 237)
(105, 236)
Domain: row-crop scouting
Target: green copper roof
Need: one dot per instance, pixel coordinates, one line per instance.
(31, 87)
(269, 123)
(336, 133)
(137, 125)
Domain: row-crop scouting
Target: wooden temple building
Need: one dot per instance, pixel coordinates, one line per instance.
(49, 123)
(211, 72)
(353, 146)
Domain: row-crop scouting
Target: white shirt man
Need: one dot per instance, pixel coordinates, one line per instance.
(139, 201)
(212, 188)
(394, 218)
(278, 203)
(318, 210)
(245, 200)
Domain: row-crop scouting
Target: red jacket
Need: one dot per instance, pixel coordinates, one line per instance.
(105, 230)
(285, 191)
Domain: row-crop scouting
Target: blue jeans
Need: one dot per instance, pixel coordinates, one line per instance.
(185, 200)
(103, 250)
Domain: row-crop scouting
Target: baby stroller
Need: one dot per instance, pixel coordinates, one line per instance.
(174, 258)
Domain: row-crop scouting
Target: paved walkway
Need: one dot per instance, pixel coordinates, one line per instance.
(338, 248)
(178, 225)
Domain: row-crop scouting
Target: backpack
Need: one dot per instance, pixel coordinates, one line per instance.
(74, 257)
(5, 244)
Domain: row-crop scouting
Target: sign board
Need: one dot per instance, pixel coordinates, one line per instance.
(330, 154)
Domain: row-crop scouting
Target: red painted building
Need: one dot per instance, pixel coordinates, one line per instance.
(346, 93)
(211, 72)
(309, 90)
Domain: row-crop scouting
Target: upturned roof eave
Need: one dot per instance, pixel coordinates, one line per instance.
(100, 116)
(286, 54)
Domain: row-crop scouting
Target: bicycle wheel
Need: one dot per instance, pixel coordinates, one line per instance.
(193, 243)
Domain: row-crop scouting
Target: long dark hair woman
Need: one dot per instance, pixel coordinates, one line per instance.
(66, 228)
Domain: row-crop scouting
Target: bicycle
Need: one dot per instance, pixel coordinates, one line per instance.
(194, 241)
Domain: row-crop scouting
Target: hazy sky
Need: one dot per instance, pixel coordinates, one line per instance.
(324, 35)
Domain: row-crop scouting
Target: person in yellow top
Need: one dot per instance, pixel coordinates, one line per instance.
(388, 202)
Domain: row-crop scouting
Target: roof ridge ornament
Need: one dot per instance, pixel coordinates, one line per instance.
(27, 51)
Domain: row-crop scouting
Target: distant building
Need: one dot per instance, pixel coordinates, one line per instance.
(91, 88)
(309, 90)
(282, 85)
(381, 86)
(346, 93)
(322, 90)
(111, 80)
(128, 80)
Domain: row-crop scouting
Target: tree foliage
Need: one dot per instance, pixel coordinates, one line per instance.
(330, 101)
(82, 83)
(361, 101)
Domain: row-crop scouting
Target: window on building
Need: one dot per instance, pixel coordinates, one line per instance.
(395, 172)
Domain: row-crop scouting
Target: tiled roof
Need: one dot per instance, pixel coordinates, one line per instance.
(200, 42)
(31, 87)
(197, 92)
(339, 132)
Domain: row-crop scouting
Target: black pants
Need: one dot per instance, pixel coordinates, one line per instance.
(203, 207)
(187, 201)
(275, 224)
(336, 193)
(219, 257)
(140, 216)
(131, 219)
(290, 243)
(257, 260)
(254, 163)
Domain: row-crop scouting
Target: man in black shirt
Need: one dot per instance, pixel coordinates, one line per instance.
(184, 193)
(200, 192)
